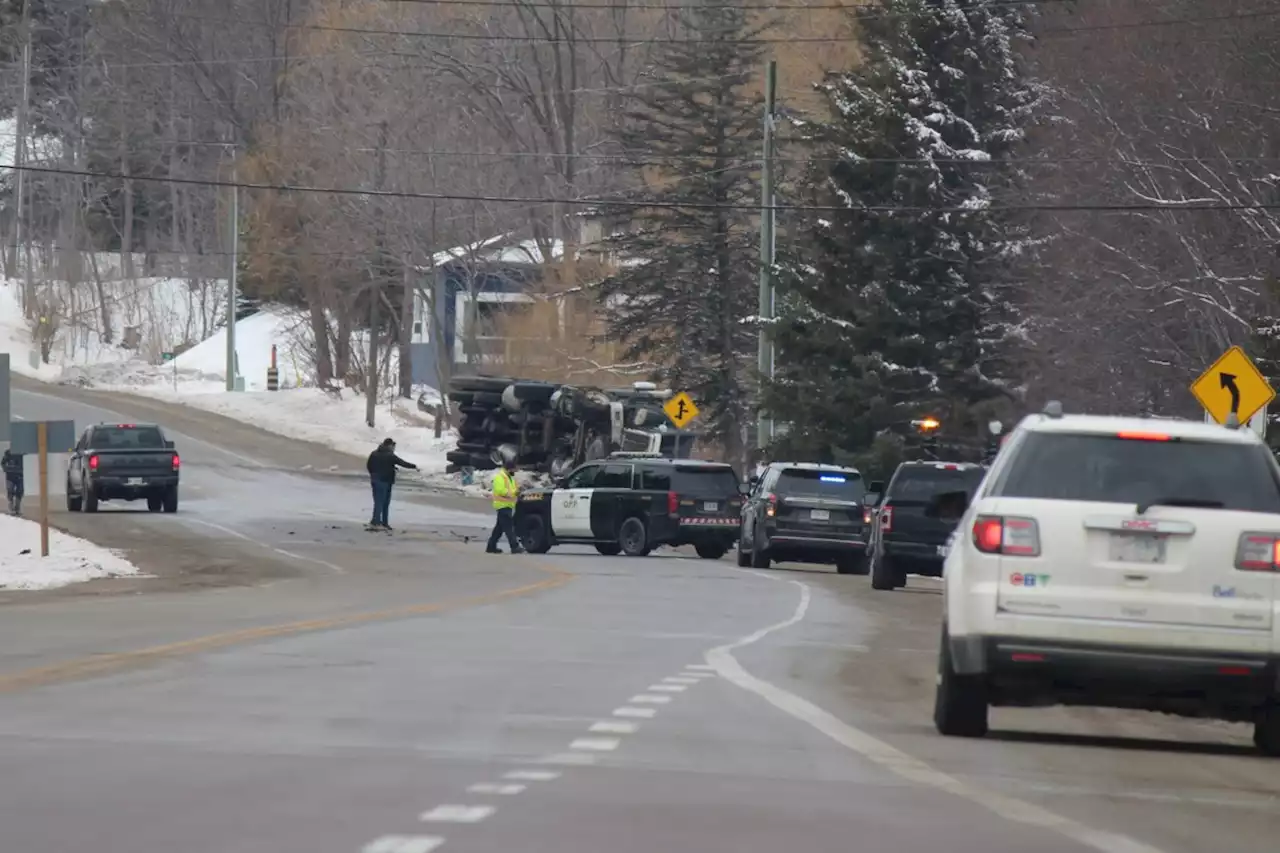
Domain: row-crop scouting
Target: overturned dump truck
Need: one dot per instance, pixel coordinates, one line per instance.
(552, 428)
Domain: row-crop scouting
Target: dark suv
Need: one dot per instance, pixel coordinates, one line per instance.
(805, 513)
(908, 536)
(632, 503)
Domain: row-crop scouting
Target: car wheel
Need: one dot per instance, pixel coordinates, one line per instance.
(710, 552)
(533, 534)
(633, 537)
(170, 500)
(90, 500)
(960, 701)
(760, 558)
(1266, 731)
(744, 559)
(852, 564)
(883, 574)
(73, 501)
(611, 549)
(155, 503)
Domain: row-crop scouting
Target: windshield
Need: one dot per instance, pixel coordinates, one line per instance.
(838, 485)
(704, 482)
(922, 483)
(1060, 466)
(127, 438)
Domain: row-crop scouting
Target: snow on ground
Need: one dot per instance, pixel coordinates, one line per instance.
(71, 560)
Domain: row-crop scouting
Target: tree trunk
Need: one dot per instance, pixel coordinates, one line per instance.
(406, 331)
(323, 354)
(126, 207)
(371, 385)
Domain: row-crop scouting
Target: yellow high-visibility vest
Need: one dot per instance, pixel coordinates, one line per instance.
(504, 490)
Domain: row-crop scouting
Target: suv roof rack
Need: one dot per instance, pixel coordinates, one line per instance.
(635, 454)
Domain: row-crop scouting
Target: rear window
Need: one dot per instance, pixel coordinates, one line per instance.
(655, 479)
(1059, 466)
(698, 481)
(839, 485)
(925, 482)
(127, 438)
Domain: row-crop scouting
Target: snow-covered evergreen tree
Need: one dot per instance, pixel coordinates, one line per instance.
(901, 306)
(690, 262)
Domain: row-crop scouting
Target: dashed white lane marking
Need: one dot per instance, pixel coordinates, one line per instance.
(596, 744)
(679, 679)
(895, 760)
(636, 713)
(649, 699)
(667, 688)
(281, 551)
(531, 775)
(403, 844)
(495, 788)
(571, 758)
(457, 814)
(701, 667)
(614, 727)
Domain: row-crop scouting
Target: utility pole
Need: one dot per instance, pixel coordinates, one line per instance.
(764, 309)
(231, 280)
(375, 293)
(19, 150)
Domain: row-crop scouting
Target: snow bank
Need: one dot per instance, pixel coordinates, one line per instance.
(71, 560)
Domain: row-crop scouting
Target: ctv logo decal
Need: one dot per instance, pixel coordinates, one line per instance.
(1019, 579)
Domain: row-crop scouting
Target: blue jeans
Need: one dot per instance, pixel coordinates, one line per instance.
(381, 502)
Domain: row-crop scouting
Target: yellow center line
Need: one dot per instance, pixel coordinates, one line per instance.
(109, 663)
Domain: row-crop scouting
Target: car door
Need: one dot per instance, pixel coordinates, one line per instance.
(751, 508)
(610, 491)
(571, 505)
(75, 465)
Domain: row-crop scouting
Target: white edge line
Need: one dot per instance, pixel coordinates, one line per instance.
(895, 760)
(281, 551)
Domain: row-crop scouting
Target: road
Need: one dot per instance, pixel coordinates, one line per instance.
(375, 694)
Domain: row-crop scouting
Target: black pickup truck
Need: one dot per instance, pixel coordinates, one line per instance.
(123, 462)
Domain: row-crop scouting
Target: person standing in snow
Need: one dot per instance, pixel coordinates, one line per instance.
(382, 466)
(11, 463)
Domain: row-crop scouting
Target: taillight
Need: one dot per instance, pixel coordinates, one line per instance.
(866, 517)
(177, 462)
(93, 463)
(772, 509)
(1258, 552)
(886, 519)
(1007, 535)
(673, 503)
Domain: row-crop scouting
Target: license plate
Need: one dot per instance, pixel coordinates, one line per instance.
(820, 515)
(1137, 548)
(136, 481)
(710, 506)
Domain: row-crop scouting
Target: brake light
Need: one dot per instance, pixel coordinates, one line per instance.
(177, 462)
(125, 426)
(950, 467)
(886, 519)
(866, 517)
(1258, 552)
(772, 509)
(1007, 535)
(1143, 436)
(673, 503)
(93, 463)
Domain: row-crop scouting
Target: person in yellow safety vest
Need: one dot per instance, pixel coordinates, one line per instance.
(504, 501)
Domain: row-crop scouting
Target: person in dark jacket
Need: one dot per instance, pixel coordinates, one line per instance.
(382, 466)
(11, 463)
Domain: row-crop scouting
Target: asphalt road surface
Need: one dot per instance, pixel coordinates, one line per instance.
(289, 683)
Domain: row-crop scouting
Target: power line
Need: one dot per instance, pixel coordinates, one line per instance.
(1170, 207)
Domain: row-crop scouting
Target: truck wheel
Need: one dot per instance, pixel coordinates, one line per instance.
(533, 534)
(744, 559)
(170, 500)
(710, 552)
(90, 499)
(883, 574)
(610, 549)
(1266, 731)
(960, 701)
(634, 538)
(760, 558)
(155, 503)
(852, 564)
(73, 501)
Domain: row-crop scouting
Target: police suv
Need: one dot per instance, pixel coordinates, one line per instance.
(631, 503)
(1117, 562)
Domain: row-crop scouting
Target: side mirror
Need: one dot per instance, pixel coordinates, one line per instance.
(871, 499)
(753, 479)
(876, 487)
(948, 505)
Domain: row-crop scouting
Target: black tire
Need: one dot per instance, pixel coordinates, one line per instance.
(488, 384)
(462, 398)
(1266, 731)
(170, 502)
(711, 552)
(960, 701)
(852, 564)
(73, 501)
(760, 559)
(488, 399)
(534, 535)
(633, 537)
(474, 447)
(744, 559)
(884, 575)
(90, 500)
(458, 457)
(155, 503)
(610, 549)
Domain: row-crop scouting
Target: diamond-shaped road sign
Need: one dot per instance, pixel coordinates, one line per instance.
(1233, 384)
(680, 409)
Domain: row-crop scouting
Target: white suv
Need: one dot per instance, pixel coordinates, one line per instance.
(1116, 562)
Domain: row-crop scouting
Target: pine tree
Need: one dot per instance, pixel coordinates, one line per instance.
(686, 288)
(900, 306)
